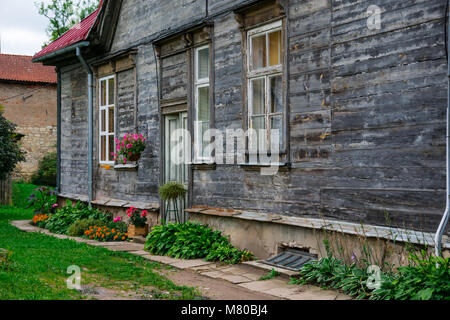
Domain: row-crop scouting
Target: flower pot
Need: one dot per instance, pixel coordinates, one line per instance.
(134, 231)
(134, 157)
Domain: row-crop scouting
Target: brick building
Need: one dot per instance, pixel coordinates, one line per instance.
(28, 96)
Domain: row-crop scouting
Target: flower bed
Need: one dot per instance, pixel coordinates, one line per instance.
(103, 233)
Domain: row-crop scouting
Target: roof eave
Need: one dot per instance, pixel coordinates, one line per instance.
(62, 51)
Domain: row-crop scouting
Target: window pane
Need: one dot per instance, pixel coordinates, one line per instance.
(111, 120)
(103, 120)
(276, 123)
(203, 63)
(111, 90)
(203, 104)
(259, 58)
(274, 48)
(111, 148)
(103, 92)
(204, 139)
(258, 96)
(276, 94)
(259, 125)
(103, 148)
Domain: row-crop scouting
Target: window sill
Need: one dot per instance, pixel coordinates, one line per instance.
(204, 166)
(282, 166)
(126, 167)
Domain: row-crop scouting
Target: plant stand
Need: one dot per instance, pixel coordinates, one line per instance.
(179, 216)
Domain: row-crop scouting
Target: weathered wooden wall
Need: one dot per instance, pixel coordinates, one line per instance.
(367, 111)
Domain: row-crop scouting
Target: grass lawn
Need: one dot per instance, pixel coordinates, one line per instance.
(38, 266)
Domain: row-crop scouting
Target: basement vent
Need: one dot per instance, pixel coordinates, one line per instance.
(290, 259)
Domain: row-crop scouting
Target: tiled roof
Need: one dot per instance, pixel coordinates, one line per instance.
(75, 34)
(20, 68)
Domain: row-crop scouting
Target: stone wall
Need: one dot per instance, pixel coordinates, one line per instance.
(32, 107)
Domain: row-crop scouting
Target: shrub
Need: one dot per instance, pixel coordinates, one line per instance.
(43, 200)
(66, 216)
(102, 233)
(192, 240)
(10, 152)
(80, 226)
(46, 173)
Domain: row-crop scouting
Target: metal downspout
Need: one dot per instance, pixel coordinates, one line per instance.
(90, 121)
(444, 221)
(58, 131)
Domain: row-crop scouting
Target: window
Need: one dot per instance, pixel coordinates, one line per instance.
(265, 85)
(106, 119)
(202, 104)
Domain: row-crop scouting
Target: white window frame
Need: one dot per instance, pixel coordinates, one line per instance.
(200, 83)
(106, 109)
(265, 73)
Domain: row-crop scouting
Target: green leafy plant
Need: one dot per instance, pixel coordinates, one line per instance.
(272, 274)
(137, 217)
(193, 240)
(66, 216)
(80, 226)
(43, 200)
(46, 173)
(172, 190)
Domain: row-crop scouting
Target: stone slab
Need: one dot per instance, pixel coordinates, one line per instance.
(234, 278)
(185, 264)
(263, 286)
(162, 259)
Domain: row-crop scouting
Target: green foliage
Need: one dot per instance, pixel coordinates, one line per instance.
(66, 216)
(63, 14)
(272, 274)
(10, 152)
(425, 278)
(46, 173)
(191, 241)
(172, 190)
(43, 200)
(420, 280)
(80, 226)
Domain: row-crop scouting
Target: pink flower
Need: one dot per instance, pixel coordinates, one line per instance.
(144, 211)
(130, 214)
(117, 219)
(129, 146)
(55, 205)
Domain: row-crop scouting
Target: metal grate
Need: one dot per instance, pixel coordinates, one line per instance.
(290, 259)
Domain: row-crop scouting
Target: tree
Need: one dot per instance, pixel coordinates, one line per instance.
(63, 14)
(10, 152)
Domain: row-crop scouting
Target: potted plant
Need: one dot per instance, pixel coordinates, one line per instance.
(129, 148)
(138, 222)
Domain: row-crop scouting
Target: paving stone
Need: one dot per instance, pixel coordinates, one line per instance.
(265, 285)
(212, 274)
(185, 264)
(125, 247)
(234, 278)
(252, 276)
(163, 259)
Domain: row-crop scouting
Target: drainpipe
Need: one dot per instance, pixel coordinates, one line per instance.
(444, 221)
(90, 120)
(58, 131)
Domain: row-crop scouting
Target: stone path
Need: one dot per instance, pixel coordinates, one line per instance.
(241, 275)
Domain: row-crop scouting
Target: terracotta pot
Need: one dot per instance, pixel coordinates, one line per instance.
(134, 231)
(134, 157)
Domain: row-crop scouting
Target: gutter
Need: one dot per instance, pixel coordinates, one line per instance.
(58, 131)
(62, 51)
(444, 220)
(88, 69)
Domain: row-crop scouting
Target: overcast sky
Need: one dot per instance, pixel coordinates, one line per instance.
(22, 29)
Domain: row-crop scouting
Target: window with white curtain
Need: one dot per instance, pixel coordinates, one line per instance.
(265, 84)
(106, 119)
(201, 103)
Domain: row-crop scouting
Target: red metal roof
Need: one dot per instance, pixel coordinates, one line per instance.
(75, 34)
(20, 68)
